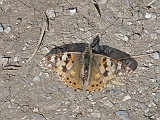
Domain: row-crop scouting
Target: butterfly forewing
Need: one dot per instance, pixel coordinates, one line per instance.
(67, 65)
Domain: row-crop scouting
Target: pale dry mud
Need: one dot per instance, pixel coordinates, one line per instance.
(35, 94)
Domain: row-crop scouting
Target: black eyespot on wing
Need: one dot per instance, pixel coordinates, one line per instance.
(104, 59)
(69, 55)
(48, 58)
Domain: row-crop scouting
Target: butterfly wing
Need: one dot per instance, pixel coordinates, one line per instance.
(67, 65)
(103, 70)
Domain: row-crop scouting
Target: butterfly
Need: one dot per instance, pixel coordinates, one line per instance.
(89, 67)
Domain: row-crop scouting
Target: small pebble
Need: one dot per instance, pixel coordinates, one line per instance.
(35, 109)
(136, 8)
(145, 31)
(141, 89)
(52, 30)
(134, 92)
(37, 78)
(8, 29)
(73, 11)
(81, 29)
(24, 81)
(157, 69)
(148, 15)
(44, 50)
(90, 97)
(113, 91)
(37, 116)
(155, 55)
(158, 93)
(129, 23)
(12, 36)
(51, 13)
(64, 109)
(15, 59)
(154, 15)
(154, 36)
(23, 49)
(1, 2)
(96, 115)
(158, 31)
(108, 103)
(126, 3)
(123, 115)
(122, 37)
(153, 79)
(55, 87)
(127, 97)
(29, 40)
(135, 15)
(136, 36)
(140, 16)
(102, 1)
(18, 20)
(1, 28)
(3, 61)
(75, 24)
(125, 38)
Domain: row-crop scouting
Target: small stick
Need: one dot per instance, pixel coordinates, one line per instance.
(44, 28)
(136, 56)
(142, 55)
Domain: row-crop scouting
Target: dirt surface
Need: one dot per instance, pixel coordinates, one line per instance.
(33, 93)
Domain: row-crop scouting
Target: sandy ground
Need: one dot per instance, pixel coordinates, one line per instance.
(32, 93)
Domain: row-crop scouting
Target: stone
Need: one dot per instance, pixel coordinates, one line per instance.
(8, 29)
(127, 97)
(37, 78)
(155, 55)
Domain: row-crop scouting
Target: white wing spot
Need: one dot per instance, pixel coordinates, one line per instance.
(110, 69)
(64, 57)
(119, 66)
(50, 65)
(44, 59)
(60, 63)
(120, 73)
(108, 62)
(53, 59)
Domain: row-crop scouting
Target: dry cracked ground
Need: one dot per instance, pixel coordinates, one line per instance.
(32, 93)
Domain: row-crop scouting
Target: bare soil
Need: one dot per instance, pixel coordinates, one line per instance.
(33, 93)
